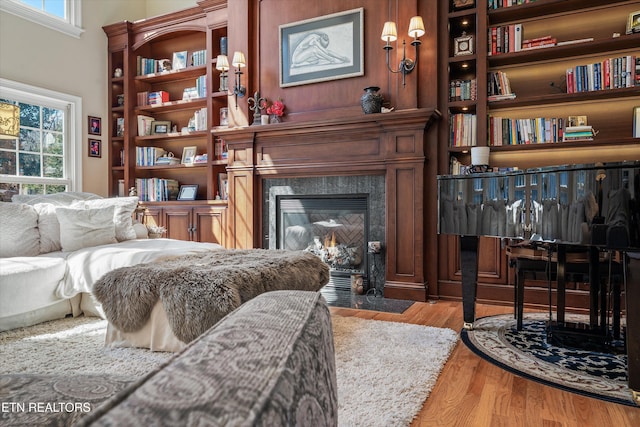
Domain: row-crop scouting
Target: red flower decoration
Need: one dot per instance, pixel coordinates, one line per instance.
(277, 108)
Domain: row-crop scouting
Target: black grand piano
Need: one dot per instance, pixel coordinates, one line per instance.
(593, 207)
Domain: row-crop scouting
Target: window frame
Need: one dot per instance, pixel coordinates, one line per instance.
(71, 26)
(73, 139)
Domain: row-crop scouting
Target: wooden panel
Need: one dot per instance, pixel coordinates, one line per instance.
(310, 151)
(491, 260)
(241, 222)
(209, 225)
(177, 221)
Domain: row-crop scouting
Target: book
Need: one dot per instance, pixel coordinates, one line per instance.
(144, 125)
(568, 42)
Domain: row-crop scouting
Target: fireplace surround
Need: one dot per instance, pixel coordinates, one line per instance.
(332, 216)
(390, 146)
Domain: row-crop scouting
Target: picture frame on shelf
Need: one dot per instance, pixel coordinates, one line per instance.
(463, 45)
(95, 125)
(120, 126)
(223, 186)
(95, 148)
(188, 192)
(328, 47)
(633, 22)
(159, 127)
(189, 155)
(463, 4)
(179, 60)
(636, 122)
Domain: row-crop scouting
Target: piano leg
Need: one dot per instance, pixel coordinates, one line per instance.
(633, 325)
(469, 267)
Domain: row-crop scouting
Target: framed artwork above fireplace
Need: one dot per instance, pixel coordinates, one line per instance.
(326, 48)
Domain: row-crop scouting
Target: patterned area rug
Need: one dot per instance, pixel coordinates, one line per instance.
(528, 353)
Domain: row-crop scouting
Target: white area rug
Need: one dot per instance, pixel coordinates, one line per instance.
(385, 370)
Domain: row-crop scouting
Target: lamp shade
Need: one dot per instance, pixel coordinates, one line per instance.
(222, 63)
(9, 121)
(389, 32)
(416, 27)
(238, 60)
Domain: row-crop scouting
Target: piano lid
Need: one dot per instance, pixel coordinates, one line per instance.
(593, 204)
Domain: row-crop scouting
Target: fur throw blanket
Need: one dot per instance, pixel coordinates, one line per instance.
(199, 290)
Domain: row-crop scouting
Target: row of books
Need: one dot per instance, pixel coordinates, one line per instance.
(199, 57)
(463, 90)
(499, 4)
(220, 151)
(612, 73)
(506, 131)
(200, 119)
(498, 86)
(505, 39)
(144, 125)
(157, 189)
(147, 156)
(152, 98)
(463, 130)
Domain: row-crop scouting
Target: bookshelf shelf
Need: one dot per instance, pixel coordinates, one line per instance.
(170, 106)
(565, 98)
(172, 76)
(611, 46)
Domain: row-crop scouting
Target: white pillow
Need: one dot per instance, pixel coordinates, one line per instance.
(83, 228)
(141, 231)
(19, 235)
(122, 217)
(57, 199)
(49, 228)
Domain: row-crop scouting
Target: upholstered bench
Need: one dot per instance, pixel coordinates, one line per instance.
(166, 304)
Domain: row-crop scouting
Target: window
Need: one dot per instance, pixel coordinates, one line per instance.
(45, 158)
(61, 15)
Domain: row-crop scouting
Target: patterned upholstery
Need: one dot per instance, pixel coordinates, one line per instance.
(269, 363)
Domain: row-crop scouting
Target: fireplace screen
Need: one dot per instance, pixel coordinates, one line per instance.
(332, 227)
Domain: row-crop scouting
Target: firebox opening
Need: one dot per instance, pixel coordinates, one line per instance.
(333, 227)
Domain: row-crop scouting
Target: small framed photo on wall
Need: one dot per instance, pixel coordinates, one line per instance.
(95, 148)
(95, 125)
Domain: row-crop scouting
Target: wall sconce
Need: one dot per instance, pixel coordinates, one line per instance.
(9, 121)
(222, 64)
(239, 62)
(390, 34)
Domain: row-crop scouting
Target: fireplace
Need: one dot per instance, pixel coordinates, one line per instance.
(334, 228)
(381, 155)
(331, 217)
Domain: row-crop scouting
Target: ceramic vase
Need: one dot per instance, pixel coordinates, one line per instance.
(371, 101)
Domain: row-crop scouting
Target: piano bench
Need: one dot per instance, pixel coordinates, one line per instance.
(536, 262)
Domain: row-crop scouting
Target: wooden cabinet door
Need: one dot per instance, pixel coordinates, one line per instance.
(208, 225)
(177, 221)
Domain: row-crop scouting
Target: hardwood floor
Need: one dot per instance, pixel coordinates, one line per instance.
(473, 392)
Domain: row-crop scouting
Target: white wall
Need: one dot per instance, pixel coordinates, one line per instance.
(39, 56)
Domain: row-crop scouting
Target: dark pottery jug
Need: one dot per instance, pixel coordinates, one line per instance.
(371, 101)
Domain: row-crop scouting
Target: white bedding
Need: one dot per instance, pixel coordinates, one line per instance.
(85, 266)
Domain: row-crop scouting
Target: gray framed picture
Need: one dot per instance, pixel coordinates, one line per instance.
(326, 48)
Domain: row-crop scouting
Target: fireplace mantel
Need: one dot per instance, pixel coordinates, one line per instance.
(389, 144)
